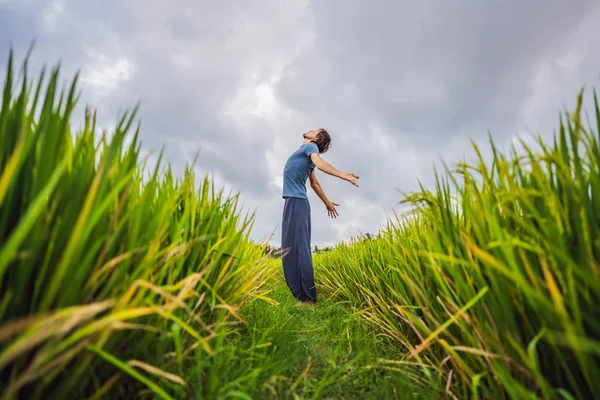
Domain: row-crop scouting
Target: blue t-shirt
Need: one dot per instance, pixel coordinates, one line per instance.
(296, 171)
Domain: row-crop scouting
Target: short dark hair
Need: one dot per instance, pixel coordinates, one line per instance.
(323, 141)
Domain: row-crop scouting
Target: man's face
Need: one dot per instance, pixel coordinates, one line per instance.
(312, 134)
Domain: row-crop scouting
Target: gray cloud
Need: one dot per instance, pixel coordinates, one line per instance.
(398, 85)
(428, 71)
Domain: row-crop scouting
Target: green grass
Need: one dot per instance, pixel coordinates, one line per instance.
(111, 275)
(323, 351)
(492, 280)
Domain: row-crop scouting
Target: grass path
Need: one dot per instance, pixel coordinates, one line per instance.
(313, 352)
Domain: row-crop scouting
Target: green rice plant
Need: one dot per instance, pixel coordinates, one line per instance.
(492, 281)
(112, 276)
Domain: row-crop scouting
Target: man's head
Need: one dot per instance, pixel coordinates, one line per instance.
(320, 137)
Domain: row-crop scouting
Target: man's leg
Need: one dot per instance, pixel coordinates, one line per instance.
(289, 247)
(303, 237)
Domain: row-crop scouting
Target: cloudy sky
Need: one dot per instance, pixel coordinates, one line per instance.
(398, 84)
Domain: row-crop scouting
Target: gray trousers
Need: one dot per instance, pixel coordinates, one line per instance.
(295, 244)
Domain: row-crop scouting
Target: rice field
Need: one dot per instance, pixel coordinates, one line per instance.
(112, 280)
(118, 280)
(491, 283)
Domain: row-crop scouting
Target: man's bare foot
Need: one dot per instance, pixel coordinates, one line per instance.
(305, 303)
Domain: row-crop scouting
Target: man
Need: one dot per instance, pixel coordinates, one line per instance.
(296, 224)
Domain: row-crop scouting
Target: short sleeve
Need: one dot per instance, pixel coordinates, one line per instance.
(311, 148)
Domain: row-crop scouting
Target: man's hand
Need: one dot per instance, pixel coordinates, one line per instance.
(350, 177)
(331, 211)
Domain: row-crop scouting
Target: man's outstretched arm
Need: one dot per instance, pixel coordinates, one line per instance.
(328, 169)
(316, 186)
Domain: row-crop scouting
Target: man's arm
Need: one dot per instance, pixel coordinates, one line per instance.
(328, 169)
(316, 186)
